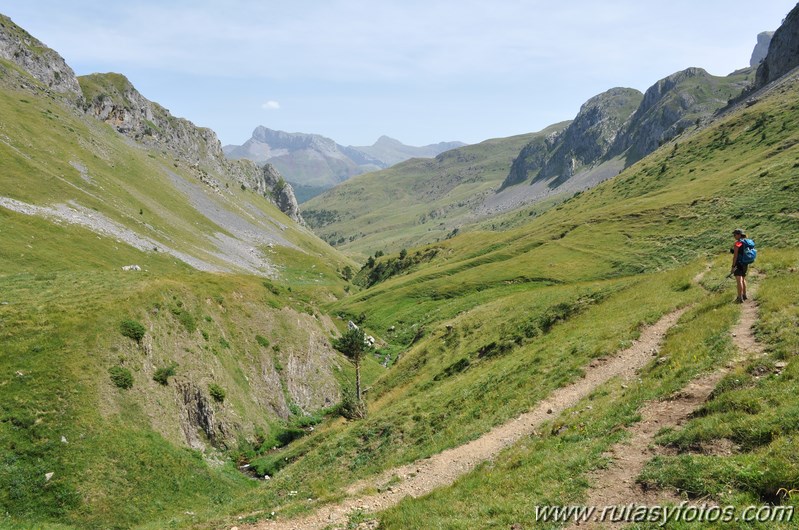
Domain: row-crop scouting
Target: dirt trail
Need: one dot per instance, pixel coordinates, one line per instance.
(617, 485)
(442, 469)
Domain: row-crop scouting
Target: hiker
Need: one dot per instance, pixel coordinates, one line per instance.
(743, 255)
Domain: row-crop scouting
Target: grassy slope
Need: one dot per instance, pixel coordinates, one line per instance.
(123, 461)
(43, 145)
(595, 269)
(415, 202)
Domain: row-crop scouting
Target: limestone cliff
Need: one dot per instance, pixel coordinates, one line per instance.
(783, 52)
(111, 98)
(761, 48)
(672, 105)
(588, 138)
(44, 64)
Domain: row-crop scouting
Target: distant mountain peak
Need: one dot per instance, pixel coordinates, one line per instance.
(316, 160)
(383, 140)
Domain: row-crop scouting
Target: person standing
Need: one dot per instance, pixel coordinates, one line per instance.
(739, 268)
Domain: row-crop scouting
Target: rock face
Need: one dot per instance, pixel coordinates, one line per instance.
(624, 123)
(44, 64)
(672, 105)
(315, 160)
(783, 52)
(111, 98)
(589, 137)
(282, 194)
(761, 48)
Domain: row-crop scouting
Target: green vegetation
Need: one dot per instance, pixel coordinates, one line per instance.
(121, 377)
(753, 410)
(132, 329)
(75, 328)
(404, 206)
(477, 328)
(495, 321)
(162, 375)
(217, 392)
(353, 344)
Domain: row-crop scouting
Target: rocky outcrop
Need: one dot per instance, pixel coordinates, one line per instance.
(530, 160)
(589, 137)
(761, 48)
(672, 105)
(111, 98)
(273, 183)
(44, 64)
(624, 123)
(198, 420)
(783, 52)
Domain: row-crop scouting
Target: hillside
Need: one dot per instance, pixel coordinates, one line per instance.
(316, 163)
(159, 312)
(489, 324)
(415, 202)
(610, 132)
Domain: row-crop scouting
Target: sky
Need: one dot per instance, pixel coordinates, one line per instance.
(420, 71)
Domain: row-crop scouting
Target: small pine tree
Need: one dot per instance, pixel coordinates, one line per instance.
(353, 345)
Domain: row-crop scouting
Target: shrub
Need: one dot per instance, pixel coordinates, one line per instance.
(132, 329)
(351, 407)
(185, 318)
(121, 377)
(217, 392)
(263, 341)
(163, 374)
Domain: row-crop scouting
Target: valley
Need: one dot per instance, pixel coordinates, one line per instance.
(551, 314)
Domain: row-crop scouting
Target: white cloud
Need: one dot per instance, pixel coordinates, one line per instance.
(271, 105)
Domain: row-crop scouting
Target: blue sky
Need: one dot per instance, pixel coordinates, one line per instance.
(419, 71)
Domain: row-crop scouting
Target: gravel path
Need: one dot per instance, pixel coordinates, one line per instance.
(617, 484)
(442, 469)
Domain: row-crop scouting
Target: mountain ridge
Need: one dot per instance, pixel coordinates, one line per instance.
(314, 160)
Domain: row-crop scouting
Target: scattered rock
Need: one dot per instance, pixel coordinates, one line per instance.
(131, 268)
(3, 303)
(64, 440)
(48, 476)
(549, 411)
(20, 373)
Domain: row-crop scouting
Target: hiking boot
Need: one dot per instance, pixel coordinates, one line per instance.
(744, 296)
(739, 300)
